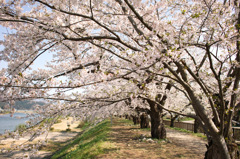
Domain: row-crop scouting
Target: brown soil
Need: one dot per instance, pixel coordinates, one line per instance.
(127, 145)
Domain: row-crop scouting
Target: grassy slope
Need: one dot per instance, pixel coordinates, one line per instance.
(87, 145)
(94, 141)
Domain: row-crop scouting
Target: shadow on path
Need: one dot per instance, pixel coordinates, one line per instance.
(128, 146)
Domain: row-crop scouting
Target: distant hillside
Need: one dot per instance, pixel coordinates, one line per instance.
(24, 105)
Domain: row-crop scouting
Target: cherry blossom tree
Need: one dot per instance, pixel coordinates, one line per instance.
(98, 44)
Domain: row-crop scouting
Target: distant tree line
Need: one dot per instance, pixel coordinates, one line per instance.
(22, 105)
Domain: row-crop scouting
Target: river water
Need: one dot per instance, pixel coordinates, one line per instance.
(10, 123)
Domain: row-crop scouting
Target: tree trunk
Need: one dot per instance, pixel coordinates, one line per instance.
(196, 126)
(214, 150)
(172, 122)
(157, 126)
(130, 117)
(173, 119)
(135, 119)
(231, 144)
(144, 121)
(217, 147)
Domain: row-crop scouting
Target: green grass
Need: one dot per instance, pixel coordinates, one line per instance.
(87, 145)
(180, 119)
(125, 121)
(186, 119)
(86, 125)
(168, 119)
(146, 129)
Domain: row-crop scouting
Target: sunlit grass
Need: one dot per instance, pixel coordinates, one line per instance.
(186, 119)
(126, 121)
(88, 145)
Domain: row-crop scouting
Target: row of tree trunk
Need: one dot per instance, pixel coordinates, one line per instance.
(156, 122)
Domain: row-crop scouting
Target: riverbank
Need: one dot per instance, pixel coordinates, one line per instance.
(57, 136)
(5, 112)
(26, 111)
(18, 111)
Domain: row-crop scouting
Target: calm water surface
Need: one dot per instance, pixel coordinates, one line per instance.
(10, 123)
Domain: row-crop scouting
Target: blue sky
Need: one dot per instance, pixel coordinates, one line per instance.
(2, 30)
(39, 63)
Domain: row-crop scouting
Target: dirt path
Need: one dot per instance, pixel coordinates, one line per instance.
(129, 145)
(58, 135)
(188, 141)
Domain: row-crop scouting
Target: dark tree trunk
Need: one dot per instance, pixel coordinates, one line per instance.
(217, 144)
(173, 119)
(144, 121)
(172, 122)
(214, 152)
(233, 150)
(130, 117)
(231, 144)
(196, 126)
(157, 126)
(136, 119)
